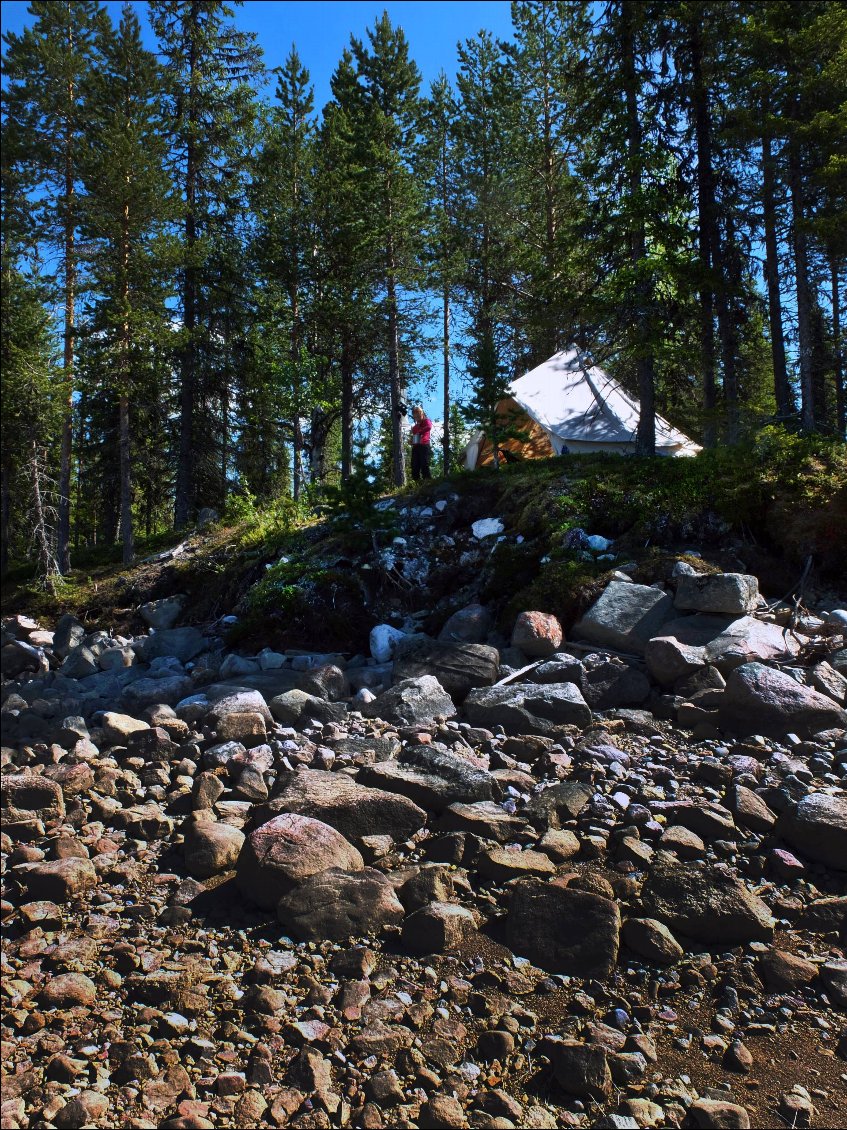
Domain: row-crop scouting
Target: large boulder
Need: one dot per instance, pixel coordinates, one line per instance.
(537, 634)
(705, 905)
(413, 702)
(210, 847)
(669, 659)
(625, 617)
(224, 700)
(25, 795)
(152, 692)
(164, 613)
(725, 593)
(438, 927)
(563, 930)
(525, 708)
(184, 643)
(433, 784)
(469, 625)
(612, 684)
(350, 808)
(458, 667)
(69, 634)
(59, 880)
(763, 700)
(335, 905)
(280, 854)
(297, 708)
(817, 827)
(554, 806)
(485, 819)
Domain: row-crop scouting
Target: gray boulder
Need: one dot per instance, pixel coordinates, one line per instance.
(763, 700)
(184, 643)
(79, 663)
(563, 930)
(625, 617)
(69, 634)
(150, 692)
(224, 700)
(613, 684)
(413, 702)
(296, 708)
(705, 905)
(336, 905)
(433, 784)
(458, 667)
(164, 613)
(817, 827)
(732, 594)
(523, 708)
(469, 625)
(345, 805)
(669, 659)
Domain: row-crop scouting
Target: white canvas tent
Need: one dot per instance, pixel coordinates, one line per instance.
(566, 406)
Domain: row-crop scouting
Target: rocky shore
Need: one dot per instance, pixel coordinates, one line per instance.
(541, 881)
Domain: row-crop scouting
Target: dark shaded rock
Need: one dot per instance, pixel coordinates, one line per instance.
(563, 930)
(485, 819)
(580, 1069)
(28, 794)
(728, 594)
(438, 927)
(554, 806)
(337, 905)
(706, 905)
(613, 684)
(523, 708)
(353, 809)
(184, 643)
(297, 708)
(817, 827)
(458, 667)
(652, 940)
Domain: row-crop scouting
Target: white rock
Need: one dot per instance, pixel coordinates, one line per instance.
(384, 640)
(270, 660)
(598, 543)
(441, 505)
(487, 527)
(363, 697)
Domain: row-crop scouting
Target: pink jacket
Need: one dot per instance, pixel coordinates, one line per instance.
(421, 431)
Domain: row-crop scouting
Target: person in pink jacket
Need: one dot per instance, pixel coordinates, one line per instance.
(421, 446)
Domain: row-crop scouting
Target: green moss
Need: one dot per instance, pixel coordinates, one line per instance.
(508, 566)
(564, 588)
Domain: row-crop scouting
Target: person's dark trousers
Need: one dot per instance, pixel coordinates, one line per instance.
(421, 454)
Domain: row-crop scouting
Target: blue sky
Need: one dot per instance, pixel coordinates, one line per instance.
(321, 29)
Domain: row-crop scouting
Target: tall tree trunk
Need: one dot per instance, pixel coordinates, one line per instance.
(346, 411)
(840, 406)
(46, 566)
(646, 437)
(185, 486)
(705, 225)
(728, 285)
(804, 299)
(127, 538)
(785, 407)
(5, 515)
(445, 346)
(63, 532)
(398, 461)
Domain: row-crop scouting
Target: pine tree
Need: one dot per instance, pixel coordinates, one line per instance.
(45, 67)
(388, 83)
(438, 169)
(210, 68)
(128, 202)
(548, 64)
(282, 194)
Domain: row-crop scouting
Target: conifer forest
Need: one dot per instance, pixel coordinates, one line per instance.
(216, 292)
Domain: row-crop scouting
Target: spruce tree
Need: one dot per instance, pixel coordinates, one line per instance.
(45, 66)
(211, 69)
(128, 201)
(388, 83)
(438, 169)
